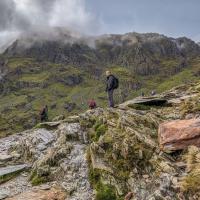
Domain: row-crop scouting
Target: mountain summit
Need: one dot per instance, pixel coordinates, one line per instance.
(142, 53)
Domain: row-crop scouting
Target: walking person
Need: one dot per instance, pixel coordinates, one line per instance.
(44, 114)
(112, 84)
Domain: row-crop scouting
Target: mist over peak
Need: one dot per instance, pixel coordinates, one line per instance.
(41, 19)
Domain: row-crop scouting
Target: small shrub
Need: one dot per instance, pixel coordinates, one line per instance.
(97, 124)
(94, 176)
(87, 124)
(92, 135)
(105, 192)
(38, 180)
(101, 131)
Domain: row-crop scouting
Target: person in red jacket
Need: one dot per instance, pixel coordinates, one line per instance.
(92, 104)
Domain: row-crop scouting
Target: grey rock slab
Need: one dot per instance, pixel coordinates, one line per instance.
(3, 196)
(50, 124)
(148, 101)
(12, 169)
(42, 136)
(5, 157)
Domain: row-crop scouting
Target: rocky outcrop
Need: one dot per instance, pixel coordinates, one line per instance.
(146, 101)
(179, 134)
(105, 154)
(55, 155)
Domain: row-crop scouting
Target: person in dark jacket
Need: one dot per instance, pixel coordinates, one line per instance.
(110, 87)
(44, 114)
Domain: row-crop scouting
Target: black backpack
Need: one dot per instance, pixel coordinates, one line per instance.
(115, 83)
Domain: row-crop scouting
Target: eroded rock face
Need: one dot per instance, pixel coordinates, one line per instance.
(32, 144)
(179, 134)
(56, 155)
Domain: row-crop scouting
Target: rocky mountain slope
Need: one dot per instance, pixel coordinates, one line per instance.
(67, 70)
(103, 154)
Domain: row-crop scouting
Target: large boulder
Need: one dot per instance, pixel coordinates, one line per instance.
(179, 134)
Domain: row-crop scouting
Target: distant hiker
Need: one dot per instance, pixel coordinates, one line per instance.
(112, 84)
(44, 114)
(92, 104)
(153, 92)
(142, 94)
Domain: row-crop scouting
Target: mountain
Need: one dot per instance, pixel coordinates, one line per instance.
(65, 69)
(141, 53)
(109, 153)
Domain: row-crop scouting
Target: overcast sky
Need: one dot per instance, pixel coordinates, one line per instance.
(170, 17)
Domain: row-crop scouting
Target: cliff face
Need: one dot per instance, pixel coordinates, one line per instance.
(66, 72)
(106, 153)
(142, 53)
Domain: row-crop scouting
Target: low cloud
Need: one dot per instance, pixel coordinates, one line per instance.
(22, 17)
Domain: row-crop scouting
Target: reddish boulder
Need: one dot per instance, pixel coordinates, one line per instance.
(179, 134)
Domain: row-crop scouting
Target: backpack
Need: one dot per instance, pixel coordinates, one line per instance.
(115, 83)
(92, 104)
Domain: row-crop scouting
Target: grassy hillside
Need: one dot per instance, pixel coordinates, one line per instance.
(66, 75)
(66, 89)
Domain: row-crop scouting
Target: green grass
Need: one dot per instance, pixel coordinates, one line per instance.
(13, 104)
(37, 180)
(19, 62)
(37, 78)
(105, 192)
(11, 101)
(186, 76)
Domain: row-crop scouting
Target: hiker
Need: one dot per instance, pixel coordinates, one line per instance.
(153, 93)
(92, 104)
(112, 84)
(142, 94)
(44, 114)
